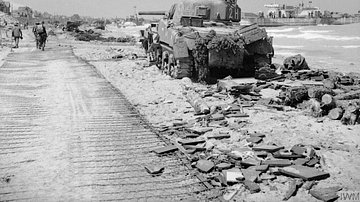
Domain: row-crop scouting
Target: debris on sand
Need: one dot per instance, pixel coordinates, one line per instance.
(229, 157)
(154, 170)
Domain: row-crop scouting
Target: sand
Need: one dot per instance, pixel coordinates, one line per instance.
(159, 98)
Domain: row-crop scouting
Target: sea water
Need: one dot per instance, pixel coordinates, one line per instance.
(333, 47)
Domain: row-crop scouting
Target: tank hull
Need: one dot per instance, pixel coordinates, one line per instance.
(204, 38)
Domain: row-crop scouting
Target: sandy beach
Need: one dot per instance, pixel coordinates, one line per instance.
(160, 99)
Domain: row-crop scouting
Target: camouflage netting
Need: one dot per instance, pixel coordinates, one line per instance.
(213, 42)
(200, 54)
(219, 43)
(294, 95)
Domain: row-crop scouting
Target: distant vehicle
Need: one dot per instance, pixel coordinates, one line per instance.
(301, 15)
(73, 26)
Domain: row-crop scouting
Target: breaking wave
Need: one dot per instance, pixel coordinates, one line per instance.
(288, 47)
(315, 31)
(315, 36)
(353, 46)
(280, 30)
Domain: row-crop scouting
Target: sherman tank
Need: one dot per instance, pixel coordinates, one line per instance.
(204, 39)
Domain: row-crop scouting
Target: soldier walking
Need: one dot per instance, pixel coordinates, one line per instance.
(41, 35)
(17, 34)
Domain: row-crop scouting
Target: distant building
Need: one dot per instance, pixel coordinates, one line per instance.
(5, 7)
(25, 12)
(286, 11)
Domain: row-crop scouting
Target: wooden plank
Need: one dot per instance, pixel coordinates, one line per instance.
(167, 149)
(268, 148)
(305, 173)
(277, 162)
(191, 141)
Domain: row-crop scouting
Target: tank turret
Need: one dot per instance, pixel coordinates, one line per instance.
(204, 38)
(207, 10)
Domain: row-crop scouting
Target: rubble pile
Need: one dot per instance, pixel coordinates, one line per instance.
(253, 165)
(90, 35)
(240, 162)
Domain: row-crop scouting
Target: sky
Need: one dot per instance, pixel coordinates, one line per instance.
(122, 8)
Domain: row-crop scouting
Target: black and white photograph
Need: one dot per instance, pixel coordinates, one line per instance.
(179, 100)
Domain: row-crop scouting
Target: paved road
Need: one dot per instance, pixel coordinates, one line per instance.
(67, 135)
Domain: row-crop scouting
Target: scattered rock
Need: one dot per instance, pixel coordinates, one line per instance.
(252, 186)
(251, 173)
(308, 185)
(293, 187)
(204, 166)
(325, 194)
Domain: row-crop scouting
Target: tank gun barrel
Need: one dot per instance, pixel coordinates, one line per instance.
(152, 13)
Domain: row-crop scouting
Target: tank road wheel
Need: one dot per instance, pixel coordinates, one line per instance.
(165, 62)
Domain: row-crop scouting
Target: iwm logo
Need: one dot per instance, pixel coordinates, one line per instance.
(349, 196)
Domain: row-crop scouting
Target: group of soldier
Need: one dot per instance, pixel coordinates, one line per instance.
(39, 32)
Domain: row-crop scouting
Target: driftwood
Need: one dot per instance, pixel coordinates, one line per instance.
(346, 110)
(315, 108)
(328, 101)
(193, 97)
(318, 92)
(197, 102)
(348, 89)
(330, 84)
(338, 91)
(348, 96)
(336, 113)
